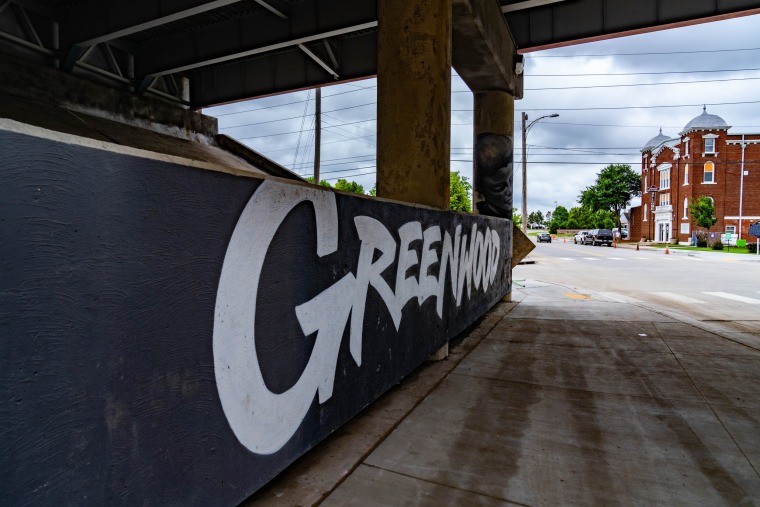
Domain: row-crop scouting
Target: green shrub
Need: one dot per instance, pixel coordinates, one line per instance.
(752, 247)
(702, 243)
(717, 245)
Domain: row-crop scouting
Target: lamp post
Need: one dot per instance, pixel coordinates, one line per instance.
(652, 191)
(525, 130)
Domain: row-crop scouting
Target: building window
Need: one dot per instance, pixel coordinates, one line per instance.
(685, 208)
(709, 176)
(664, 199)
(646, 211)
(645, 182)
(730, 229)
(686, 174)
(710, 145)
(687, 148)
(664, 179)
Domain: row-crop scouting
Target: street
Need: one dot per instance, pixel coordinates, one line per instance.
(717, 290)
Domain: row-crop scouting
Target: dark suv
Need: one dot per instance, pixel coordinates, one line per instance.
(598, 237)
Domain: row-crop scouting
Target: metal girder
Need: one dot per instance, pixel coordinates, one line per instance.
(319, 61)
(571, 22)
(271, 8)
(286, 70)
(95, 21)
(527, 4)
(262, 49)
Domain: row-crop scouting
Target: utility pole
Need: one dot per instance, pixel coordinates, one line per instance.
(524, 175)
(317, 134)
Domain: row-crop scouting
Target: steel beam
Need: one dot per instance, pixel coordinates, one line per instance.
(95, 21)
(318, 61)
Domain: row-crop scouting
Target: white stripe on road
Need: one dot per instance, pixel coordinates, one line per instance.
(677, 297)
(735, 297)
(616, 258)
(590, 259)
(619, 298)
(567, 258)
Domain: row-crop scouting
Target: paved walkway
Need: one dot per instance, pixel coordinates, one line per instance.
(552, 401)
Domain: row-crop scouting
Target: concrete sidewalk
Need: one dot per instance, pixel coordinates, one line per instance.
(553, 401)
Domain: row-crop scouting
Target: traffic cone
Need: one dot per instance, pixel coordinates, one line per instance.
(564, 240)
(666, 250)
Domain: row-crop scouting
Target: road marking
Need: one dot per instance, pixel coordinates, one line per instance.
(735, 297)
(619, 298)
(678, 298)
(577, 296)
(643, 258)
(590, 259)
(567, 258)
(616, 258)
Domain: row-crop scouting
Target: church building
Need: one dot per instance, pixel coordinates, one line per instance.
(703, 160)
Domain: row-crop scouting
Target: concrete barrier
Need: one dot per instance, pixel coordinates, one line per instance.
(178, 336)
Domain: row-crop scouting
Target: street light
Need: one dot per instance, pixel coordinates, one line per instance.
(525, 130)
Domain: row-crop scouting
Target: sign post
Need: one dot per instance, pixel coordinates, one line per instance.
(754, 230)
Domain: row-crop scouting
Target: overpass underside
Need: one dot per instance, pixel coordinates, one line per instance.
(182, 318)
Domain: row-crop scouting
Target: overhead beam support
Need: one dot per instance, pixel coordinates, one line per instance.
(483, 51)
(95, 21)
(271, 8)
(260, 50)
(528, 4)
(319, 61)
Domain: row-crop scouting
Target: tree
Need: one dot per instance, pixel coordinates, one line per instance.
(702, 210)
(517, 218)
(349, 186)
(615, 185)
(536, 218)
(559, 219)
(322, 183)
(582, 216)
(459, 192)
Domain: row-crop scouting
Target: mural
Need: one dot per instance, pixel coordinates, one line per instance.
(493, 170)
(173, 335)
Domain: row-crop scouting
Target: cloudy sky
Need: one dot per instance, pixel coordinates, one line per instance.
(612, 97)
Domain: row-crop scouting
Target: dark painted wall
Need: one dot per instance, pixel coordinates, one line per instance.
(127, 341)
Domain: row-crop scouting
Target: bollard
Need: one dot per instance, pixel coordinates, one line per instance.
(637, 247)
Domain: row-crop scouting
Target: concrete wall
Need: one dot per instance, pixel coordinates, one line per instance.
(177, 336)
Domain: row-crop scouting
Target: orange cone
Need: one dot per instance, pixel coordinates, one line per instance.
(564, 240)
(666, 250)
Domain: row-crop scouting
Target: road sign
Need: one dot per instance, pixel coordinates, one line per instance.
(754, 229)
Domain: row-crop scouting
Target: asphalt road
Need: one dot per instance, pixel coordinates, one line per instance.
(719, 290)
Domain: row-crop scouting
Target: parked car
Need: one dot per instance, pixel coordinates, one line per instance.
(544, 237)
(579, 237)
(598, 237)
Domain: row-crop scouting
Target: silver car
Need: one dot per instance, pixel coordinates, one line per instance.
(579, 237)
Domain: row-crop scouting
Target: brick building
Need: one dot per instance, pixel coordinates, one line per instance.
(704, 160)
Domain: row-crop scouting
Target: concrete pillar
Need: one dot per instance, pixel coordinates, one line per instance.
(414, 101)
(494, 113)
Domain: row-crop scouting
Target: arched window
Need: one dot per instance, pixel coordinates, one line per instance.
(686, 207)
(646, 211)
(686, 174)
(709, 176)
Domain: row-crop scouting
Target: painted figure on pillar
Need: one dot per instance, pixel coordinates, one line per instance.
(493, 174)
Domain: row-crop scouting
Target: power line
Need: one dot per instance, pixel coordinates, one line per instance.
(628, 85)
(622, 107)
(648, 54)
(640, 73)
